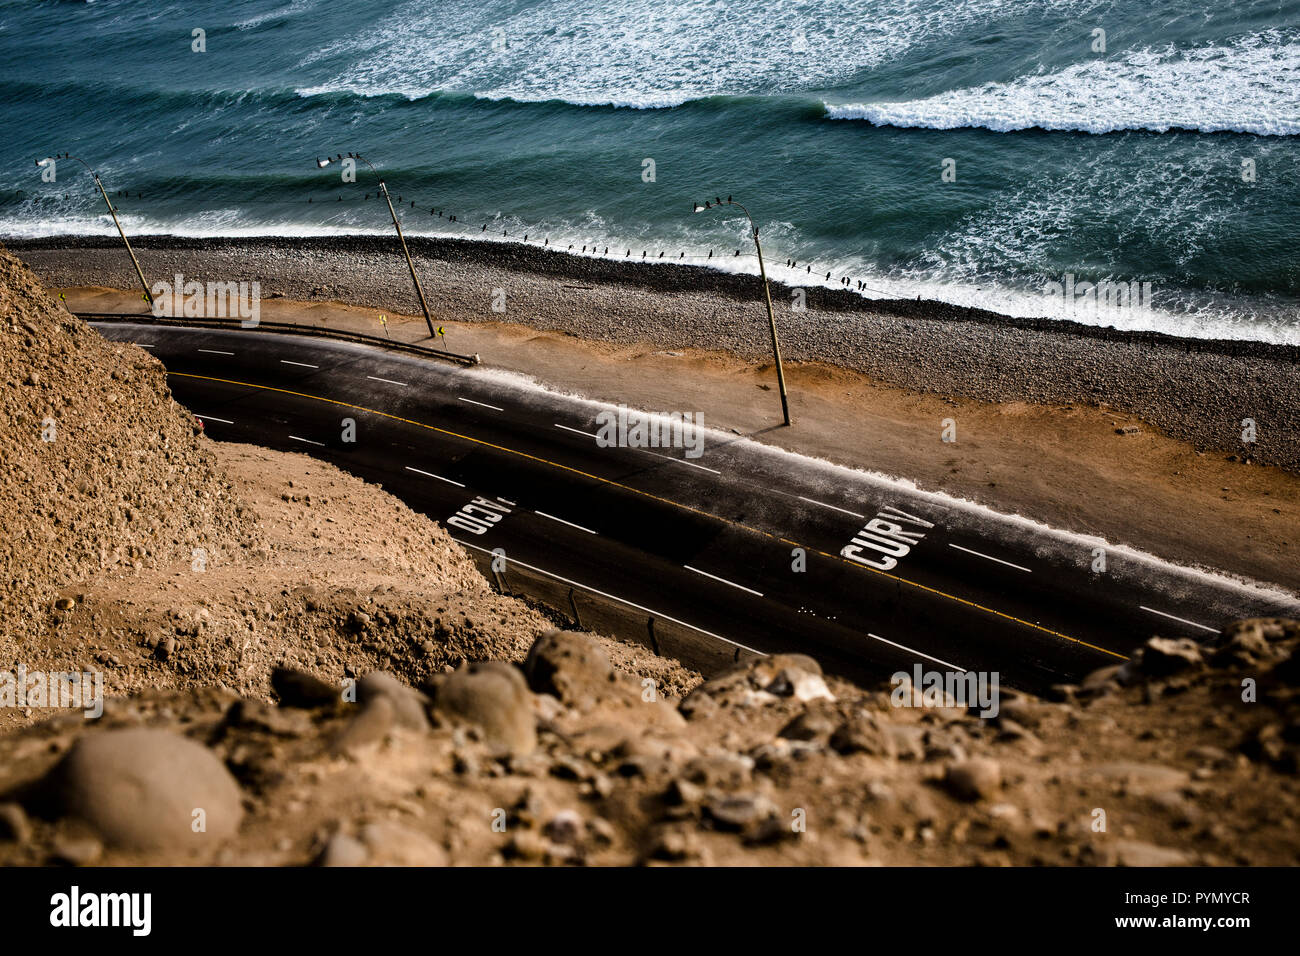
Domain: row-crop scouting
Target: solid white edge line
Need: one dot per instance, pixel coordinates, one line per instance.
(214, 418)
(429, 474)
(303, 364)
(1212, 630)
(483, 404)
(578, 431)
(723, 580)
(308, 441)
(615, 597)
(990, 557)
(912, 650)
(214, 351)
(144, 345)
(562, 521)
(813, 501)
(388, 380)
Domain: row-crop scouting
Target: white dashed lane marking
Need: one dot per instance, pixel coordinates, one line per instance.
(303, 364)
(851, 514)
(144, 345)
(376, 378)
(680, 461)
(910, 650)
(481, 404)
(562, 521)
(429, 474)
(214, 418)
(989, 557)
(308, 441)
(723, 580)
(215, 352)
(1182, 620)
(576, 431)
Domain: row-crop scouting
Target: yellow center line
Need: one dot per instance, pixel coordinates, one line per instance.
(667, 501)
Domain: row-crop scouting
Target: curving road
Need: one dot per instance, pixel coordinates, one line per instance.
(758, 547)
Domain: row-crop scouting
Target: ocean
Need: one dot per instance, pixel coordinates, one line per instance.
(981, 152)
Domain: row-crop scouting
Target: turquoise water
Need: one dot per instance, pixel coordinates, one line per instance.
(831, 121)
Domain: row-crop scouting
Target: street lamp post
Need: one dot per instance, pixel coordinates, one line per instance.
(383, 188)
(767, 293)
(148, 297)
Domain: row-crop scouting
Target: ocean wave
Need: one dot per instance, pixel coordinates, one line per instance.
(1250, 86)
(657, 54)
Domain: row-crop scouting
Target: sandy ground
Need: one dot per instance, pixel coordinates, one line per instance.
(1064, 464)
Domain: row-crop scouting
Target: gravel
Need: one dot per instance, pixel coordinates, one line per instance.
(1197, 390)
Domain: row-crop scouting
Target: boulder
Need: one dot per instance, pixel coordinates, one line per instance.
(142, 789)
(493, 697)
(1163, 656)
(976, 778)
(569, 666)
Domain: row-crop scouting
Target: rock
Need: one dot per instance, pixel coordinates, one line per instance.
(683, 793)
(409, 705)
(976, 778)
(1134, 853)
(493, 697)
(673, 845)
(1139, 779)
(65, 604)
(343, 850)
(565, 827)
(864, 734)
(800, 684)
(140, 789)
(1100, 680)
(1287, 670)
(369, 728)
(297, 688)
(250, 714)
(810, 725)
(14, 826)
(76, 851)
(1128, 430)
(1271, 629)
(1163, 656)
(358, 621)
(739, 812)
(391, 844)
(1244, 647)
(907, 741)
(165, 648)
(569, 666)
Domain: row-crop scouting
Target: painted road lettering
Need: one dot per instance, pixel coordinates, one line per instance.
(890, 535)
(480, 515)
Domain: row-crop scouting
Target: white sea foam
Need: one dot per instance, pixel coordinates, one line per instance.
(650, 54)
(1249, 86)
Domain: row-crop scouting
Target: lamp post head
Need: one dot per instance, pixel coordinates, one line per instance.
(322, 163)
(45, 162)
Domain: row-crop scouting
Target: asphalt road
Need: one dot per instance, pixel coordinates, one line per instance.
(746, 542)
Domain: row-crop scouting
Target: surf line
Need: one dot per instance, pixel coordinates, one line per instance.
(886, 535)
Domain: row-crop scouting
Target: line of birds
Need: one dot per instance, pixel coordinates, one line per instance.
(790, 263)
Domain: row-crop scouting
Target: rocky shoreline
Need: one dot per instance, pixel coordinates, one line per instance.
(1196, 390)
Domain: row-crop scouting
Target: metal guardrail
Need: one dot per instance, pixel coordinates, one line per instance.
(587, 609)
(287, 328)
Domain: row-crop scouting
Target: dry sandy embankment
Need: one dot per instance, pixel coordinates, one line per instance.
(237, 745)
(1038, 406)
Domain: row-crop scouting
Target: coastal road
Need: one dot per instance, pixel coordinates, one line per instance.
(757, 547)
